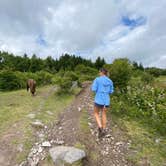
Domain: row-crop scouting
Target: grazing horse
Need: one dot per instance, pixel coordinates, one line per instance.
(31, 84)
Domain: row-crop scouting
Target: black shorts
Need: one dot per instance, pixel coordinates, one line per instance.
(101, 106)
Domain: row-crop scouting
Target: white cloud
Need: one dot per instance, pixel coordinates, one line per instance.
(91, 28)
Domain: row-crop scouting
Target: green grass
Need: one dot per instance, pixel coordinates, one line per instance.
(144, 145)
(16, 105)
(48, 161)
(54, 104)
(84, 122)
(85, 131)
(79, 146)
(160, 82)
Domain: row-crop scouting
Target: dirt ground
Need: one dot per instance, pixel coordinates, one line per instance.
(75, 127)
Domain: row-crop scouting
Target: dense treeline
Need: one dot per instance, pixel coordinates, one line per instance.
(151, 70)
(15, 70)
(65, 62)
(34, 64)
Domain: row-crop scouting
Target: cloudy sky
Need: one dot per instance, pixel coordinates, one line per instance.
(90, 28)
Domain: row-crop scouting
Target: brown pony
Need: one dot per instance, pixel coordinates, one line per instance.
(31, 84)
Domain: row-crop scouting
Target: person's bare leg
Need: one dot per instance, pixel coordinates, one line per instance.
(104, 117)
(96, 114)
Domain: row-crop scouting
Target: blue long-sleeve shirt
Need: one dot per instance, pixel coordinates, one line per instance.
(103, 87)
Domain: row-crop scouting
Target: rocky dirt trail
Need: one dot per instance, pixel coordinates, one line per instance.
(8, 142)
(69, 131)
(75, 127)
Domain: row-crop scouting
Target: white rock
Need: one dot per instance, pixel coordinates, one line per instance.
(59, 142)
(46, 144)
(107, 149)
(90, 124)
(34, 151)
(41, 135)
(119, 143)
(20, 147)
(108, 136)
(157, 140)
(40, 149)
(49, 113)
(31, 116)
(24, 163)
(79, 109)
(60, 128)
(37, 123)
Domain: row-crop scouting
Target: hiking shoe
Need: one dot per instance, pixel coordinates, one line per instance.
(100, 131)
(104, 132)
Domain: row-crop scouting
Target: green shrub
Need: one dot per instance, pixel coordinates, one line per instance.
(137, 73)
(85, 70)
(30, 75)
(156, 72)
(85, 73)
(22, 77)
(9, 81)
(55, 79)
(83, 78)
(61, 72)
(43, 78)
(147, 78)
(72, 75)
(144, 102)
(120, 72)
(65, 84)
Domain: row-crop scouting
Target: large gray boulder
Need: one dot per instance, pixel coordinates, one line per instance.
(64, 155)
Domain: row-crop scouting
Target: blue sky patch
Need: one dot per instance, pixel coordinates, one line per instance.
(41, 41)
(133, 23)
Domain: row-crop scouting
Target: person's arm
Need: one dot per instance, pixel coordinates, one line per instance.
(94, 86)
(111, 88)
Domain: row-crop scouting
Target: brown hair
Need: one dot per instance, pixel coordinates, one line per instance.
(104, 71)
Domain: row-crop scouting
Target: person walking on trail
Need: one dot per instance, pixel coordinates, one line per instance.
(103, 87)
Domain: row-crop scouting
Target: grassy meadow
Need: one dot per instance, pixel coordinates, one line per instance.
(15, 108)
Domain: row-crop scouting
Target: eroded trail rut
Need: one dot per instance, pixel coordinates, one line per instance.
(76, 126)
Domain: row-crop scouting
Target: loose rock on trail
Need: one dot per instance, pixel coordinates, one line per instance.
(67, 131)
(76, 128)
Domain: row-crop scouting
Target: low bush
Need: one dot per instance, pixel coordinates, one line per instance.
(43, 78)
(143, 102)
(72, 75)
(65, 82)
(9, 81)
(85, 70)
(12, 80)
(147, 78)
(120, 72)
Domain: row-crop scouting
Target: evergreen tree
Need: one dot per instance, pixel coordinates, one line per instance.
(36, 64)
(100, 62)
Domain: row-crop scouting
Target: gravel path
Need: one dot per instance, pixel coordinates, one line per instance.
(108, 151)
